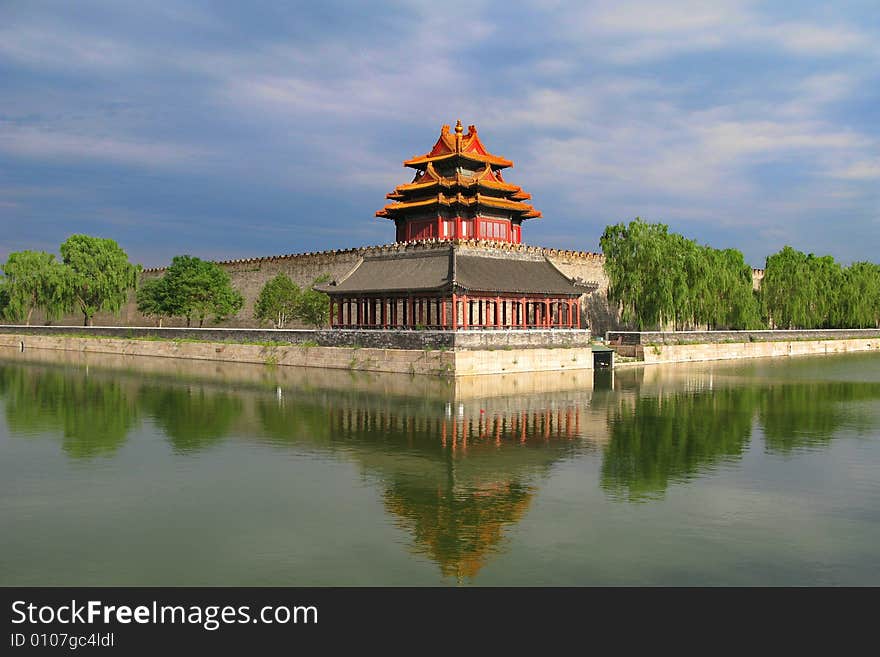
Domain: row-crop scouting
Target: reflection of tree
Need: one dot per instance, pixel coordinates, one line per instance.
(192, 417)
(803, 415)
(290, 420)
(671, 438)
(93, 414)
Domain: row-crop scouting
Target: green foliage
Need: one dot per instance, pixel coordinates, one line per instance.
(659, 278)
(91, 415)
(192, 418)
(313, 308)
(278, 301)
(99, 274)
(859, 304)
(153, 299)
(804, 291)
(33, 280)
(197, 289)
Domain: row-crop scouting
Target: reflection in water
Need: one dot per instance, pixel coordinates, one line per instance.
(655, 440)
(804, 415)
(455, 480)
(94, 415)
(192, 417)
(454, 470)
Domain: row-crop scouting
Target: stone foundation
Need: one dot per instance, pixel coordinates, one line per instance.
(406, 361)
(684, 353)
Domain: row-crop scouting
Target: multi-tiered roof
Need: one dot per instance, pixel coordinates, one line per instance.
(458, 192)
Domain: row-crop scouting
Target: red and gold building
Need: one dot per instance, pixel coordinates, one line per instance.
(458, 193)
(459, 265)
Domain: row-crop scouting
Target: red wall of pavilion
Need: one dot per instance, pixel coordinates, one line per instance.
(482, 228)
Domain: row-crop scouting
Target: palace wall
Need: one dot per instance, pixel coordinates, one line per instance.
(250, 274)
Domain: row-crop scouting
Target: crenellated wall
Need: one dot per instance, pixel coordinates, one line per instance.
(250, 274)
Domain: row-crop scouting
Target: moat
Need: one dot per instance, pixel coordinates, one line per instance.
(121, 470)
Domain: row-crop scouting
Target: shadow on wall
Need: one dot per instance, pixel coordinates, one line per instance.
(601, 317)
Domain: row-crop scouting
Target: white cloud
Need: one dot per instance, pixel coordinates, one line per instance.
(859, 170)
(52, 144)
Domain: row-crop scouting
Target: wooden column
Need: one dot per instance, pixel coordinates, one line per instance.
(497, 314)
(443, 312)
(454, 311)
(465, 311)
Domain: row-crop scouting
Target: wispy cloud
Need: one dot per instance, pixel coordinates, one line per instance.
(293, 120)
(48, 144)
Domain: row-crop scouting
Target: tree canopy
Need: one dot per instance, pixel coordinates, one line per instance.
(33, 280)
(313, 308)
(153, 300)
(99, 274)
(198, 289)
(805, 291)
(278, 301)
(661, 279)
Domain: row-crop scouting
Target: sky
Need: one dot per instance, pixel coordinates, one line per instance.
(243, 129)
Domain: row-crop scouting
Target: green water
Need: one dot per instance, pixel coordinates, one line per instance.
(127, 471)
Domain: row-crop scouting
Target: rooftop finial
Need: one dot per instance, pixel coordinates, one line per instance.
(458, 128)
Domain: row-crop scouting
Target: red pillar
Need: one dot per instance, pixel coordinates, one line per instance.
(340, 318)
(442, 303)
(454, 311)
(465, 311)
(548, 318)
(497, 314)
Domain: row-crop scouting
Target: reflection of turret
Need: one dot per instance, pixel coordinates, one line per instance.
(457, 480)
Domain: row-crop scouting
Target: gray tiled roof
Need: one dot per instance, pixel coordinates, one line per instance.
(440, 270)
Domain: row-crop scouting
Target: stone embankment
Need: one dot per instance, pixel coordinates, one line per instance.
(413, 352)
(689, 346)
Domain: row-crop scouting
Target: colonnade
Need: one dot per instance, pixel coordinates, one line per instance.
(455, 312)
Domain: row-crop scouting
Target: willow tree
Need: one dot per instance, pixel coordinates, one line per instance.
(638, 272)
(659, 279)
(859, 298)
(33, 280)
(99, 275)
(803, 291)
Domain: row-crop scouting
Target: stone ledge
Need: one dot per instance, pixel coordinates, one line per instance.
(404, 361)
(374, 338)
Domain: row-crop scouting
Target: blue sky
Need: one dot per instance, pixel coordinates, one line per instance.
(237, 129)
